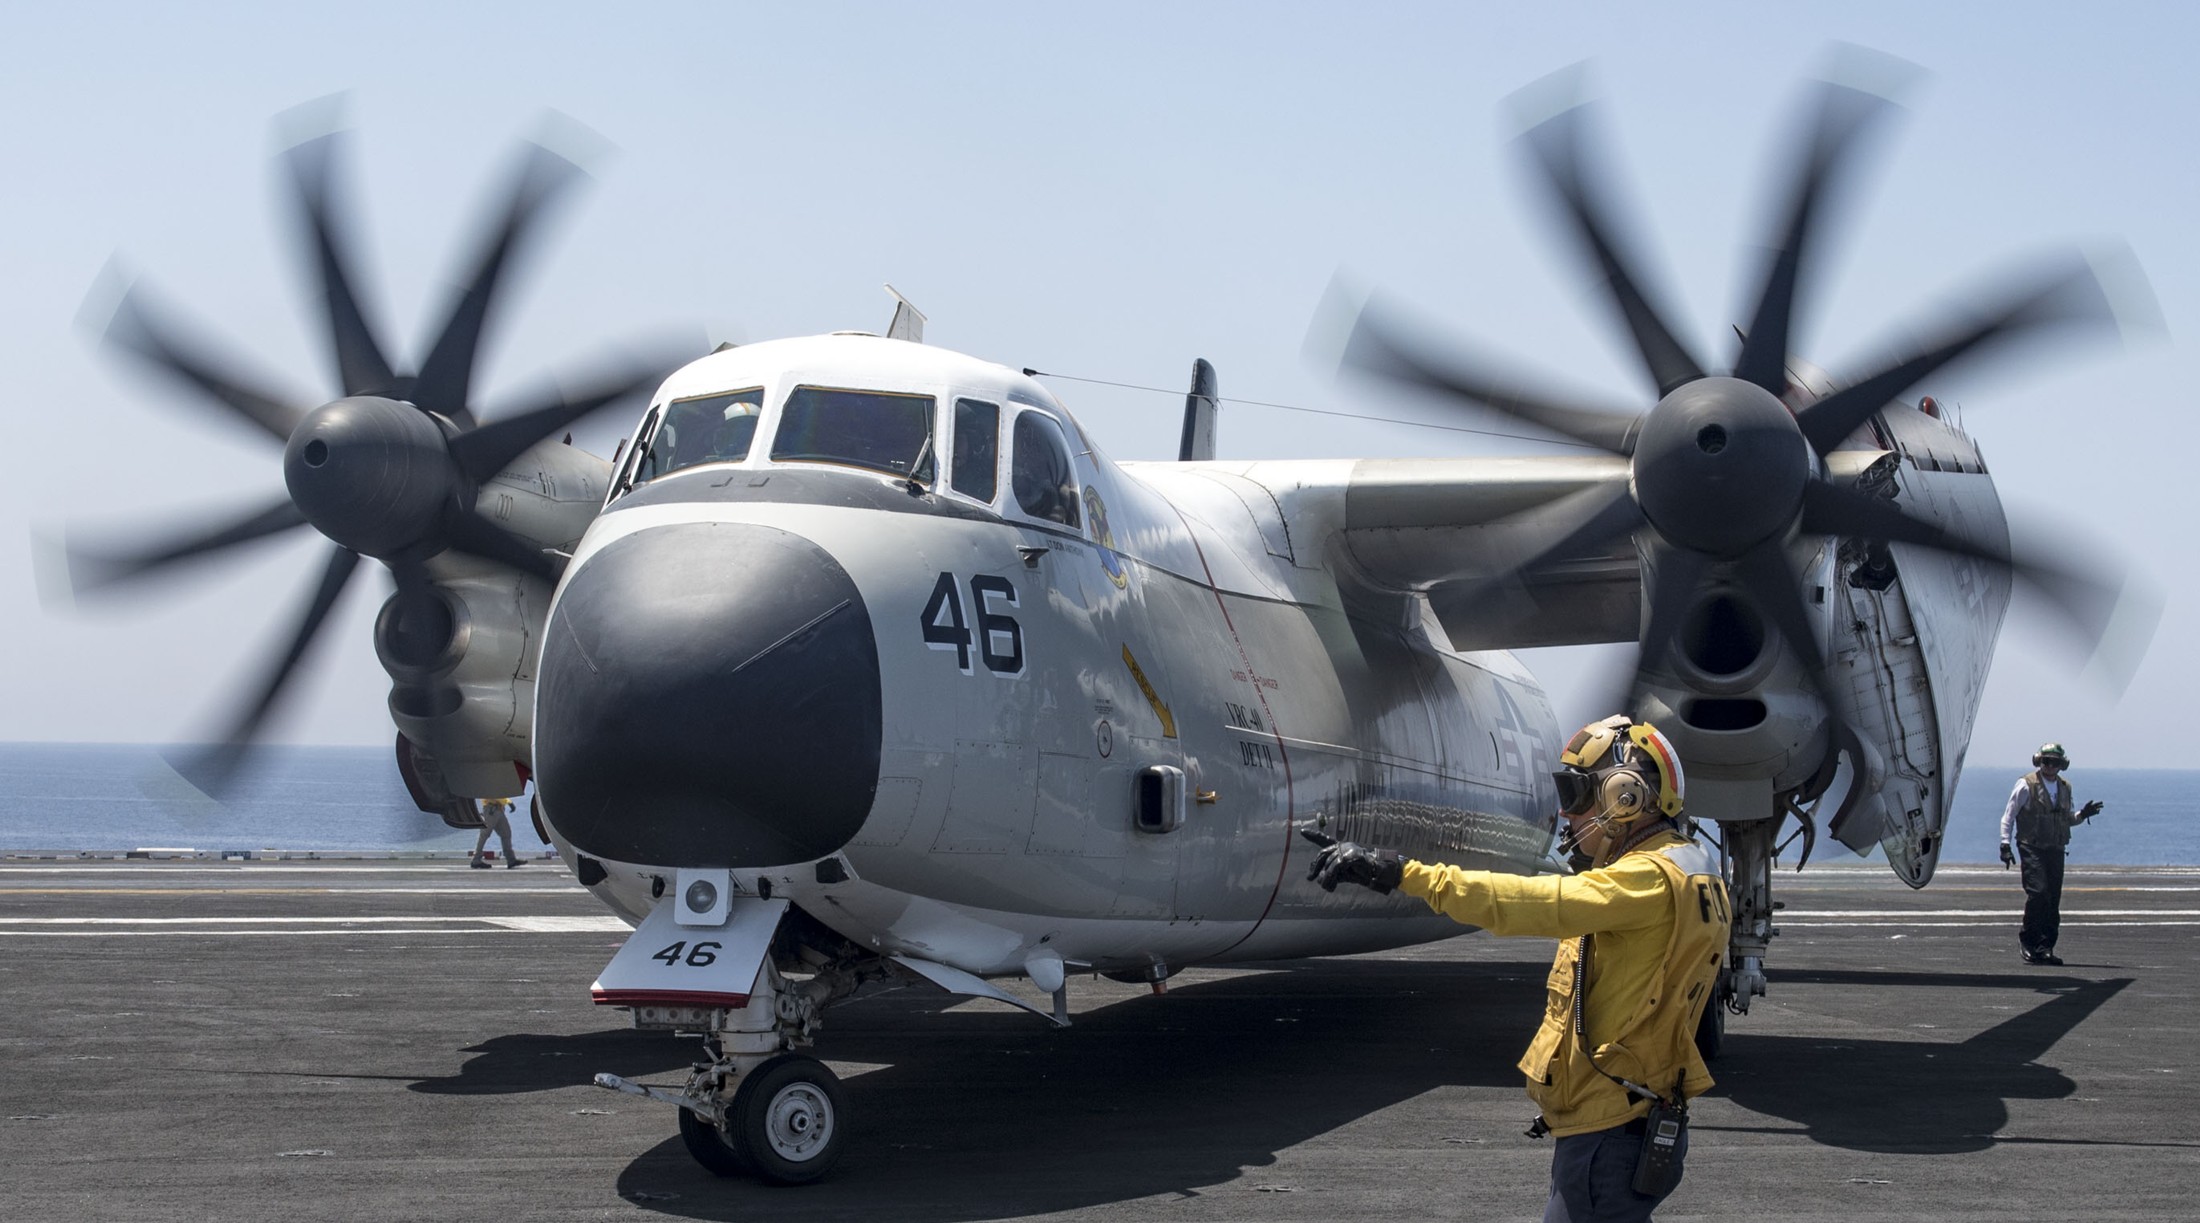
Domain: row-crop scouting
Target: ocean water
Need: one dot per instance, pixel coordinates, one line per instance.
(119, 797)
(2150, 818)
(110, 796)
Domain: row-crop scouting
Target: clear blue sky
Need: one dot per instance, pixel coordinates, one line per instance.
(1108, 192)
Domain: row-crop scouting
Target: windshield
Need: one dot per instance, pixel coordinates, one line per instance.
(706, 429)
(879, 430)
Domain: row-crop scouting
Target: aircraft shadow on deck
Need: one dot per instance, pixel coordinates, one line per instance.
(1910, 1096)
(537, 1061)
(982, 1114)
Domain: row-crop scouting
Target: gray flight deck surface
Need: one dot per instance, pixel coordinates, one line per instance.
(363, 1040)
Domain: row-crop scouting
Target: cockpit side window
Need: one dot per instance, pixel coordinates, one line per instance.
(1041, 476)
(976, 470)
(705, 429)
(881, 430)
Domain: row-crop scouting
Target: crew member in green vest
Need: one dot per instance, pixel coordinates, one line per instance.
(2037, 825)
(1643, 923)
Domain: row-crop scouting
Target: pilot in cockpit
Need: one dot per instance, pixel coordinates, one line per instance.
(729, 443)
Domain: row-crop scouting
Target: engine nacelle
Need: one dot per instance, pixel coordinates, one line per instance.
(1739, 707)
(462, 674)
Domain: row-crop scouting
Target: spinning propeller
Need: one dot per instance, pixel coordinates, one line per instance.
(1723, 474)
(391, 467)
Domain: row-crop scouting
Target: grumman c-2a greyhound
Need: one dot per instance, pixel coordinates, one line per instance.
(863, 666)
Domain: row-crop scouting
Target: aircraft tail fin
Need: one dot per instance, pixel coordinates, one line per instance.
(1201, 407)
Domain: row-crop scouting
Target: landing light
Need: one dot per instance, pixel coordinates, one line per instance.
(701, 897)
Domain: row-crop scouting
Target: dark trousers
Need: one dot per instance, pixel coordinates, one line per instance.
(1593, 1178)
(2043, 878)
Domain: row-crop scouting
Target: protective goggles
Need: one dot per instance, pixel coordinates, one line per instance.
(1577, 791)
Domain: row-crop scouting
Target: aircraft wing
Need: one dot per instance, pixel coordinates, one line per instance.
(1487, 540)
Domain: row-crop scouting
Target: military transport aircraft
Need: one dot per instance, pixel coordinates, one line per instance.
(862, 666)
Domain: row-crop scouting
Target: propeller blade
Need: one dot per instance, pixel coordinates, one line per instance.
(1379, 347)
(1555, 145)
(1669, 590)
(361, 368)
(2087, 603)
(91, 570)
(2068, 296)
(488, 449)
(1676, 578)
(477, 536)
(1844, 114)
(139, 328)
(1831, 509)
(210, 769)
(1771, 580)
(447, 374)
(1580, 521)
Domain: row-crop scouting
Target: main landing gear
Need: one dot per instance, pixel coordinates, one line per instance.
(1747, 849)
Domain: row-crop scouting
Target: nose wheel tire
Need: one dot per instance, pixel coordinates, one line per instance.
(785, 1122)
(710, 1146)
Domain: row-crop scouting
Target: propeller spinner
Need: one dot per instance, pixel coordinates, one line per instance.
(391, 467)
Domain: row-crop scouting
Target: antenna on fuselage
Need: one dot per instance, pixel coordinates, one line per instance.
(1201, 408)
(908, 321)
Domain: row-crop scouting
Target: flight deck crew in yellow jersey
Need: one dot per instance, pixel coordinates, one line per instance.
(1643, 924)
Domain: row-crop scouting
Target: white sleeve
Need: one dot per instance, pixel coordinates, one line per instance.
(2009, 814)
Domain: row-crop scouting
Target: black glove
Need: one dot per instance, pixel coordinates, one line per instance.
(1343, 861)
(2090, 810)
(2008, 856)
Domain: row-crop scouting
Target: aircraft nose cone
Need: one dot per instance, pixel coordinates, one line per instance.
(708, 696)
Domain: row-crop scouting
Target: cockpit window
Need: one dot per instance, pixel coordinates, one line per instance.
(976, 469)
(1044, 484)
(706, 429)
(882, 430)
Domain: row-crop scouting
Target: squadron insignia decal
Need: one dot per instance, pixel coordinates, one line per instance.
(1096, 518)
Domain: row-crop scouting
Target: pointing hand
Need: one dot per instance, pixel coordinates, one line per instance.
(2090, 810)
(1345, 862)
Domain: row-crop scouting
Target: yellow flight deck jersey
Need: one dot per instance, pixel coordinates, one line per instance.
(1655, 935)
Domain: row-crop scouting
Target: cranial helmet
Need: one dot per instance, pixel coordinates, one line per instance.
(1621, 769)
(2051, 753)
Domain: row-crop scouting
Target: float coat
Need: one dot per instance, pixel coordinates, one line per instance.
(2041, 812)
(1655, 936)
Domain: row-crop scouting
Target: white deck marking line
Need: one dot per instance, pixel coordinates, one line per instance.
(290, 891)
(1817, 914)
(485, 925)
(239, 868)
(602, 923)
(445, 931)
(1927, 925)
(1945, 888)
(583, 921)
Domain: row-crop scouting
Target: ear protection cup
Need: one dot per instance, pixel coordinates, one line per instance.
(1625, 797)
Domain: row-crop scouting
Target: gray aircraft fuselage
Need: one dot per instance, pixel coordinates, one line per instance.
(763, 664)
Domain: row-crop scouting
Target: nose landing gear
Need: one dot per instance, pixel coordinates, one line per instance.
(782, 1125)
(753, 1108)
(784, 1121)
